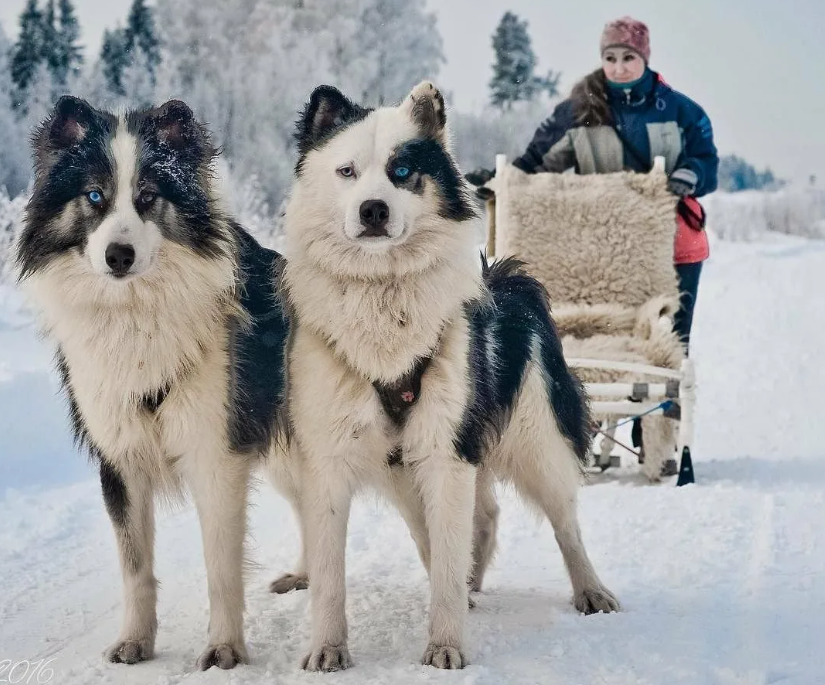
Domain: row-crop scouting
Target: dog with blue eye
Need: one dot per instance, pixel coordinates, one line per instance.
(170, 341)
(415, 368)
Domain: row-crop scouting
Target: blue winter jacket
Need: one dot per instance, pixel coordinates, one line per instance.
(652, 120)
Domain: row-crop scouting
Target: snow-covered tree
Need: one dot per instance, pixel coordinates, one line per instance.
(140, 34)
(401, 46)
(14, 148)
(28, 51)
(48, 36)
(114, 58)
(137, 79)
(68, 53)
(132, 48)
(513, 71)
(736, 174)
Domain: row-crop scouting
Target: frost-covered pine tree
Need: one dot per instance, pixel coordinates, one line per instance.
(14, 148)
(48, 37)
(514, 79)
(130, 56)
(140, 34)
(27, 52)
(114, 58)
(401, 46)
(137, 79)
(68, 53)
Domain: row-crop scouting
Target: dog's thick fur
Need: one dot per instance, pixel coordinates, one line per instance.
(415, 371)
(169, 341)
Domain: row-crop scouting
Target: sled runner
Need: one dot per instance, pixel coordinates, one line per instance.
(603, 246)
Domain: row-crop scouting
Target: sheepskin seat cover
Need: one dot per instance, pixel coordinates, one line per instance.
(595, 239)
(603, 246)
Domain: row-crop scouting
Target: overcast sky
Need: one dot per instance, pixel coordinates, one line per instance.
(756, 66)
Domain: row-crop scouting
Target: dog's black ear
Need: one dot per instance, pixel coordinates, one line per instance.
(326, 110)
(174, 123)
(69, 122)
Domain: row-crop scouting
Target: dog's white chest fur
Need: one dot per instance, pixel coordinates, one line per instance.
(153, 341)
(380, 328)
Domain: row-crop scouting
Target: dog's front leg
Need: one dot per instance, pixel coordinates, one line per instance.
(447, 486)
(130, 502)
(219, 484)
(325, 508)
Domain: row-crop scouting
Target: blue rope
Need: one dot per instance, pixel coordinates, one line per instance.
(664, 406)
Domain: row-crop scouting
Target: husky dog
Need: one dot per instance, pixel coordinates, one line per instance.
(414, 370)
(169, 340)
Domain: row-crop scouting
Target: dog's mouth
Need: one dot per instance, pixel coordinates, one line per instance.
(373, 233)
(380, 237)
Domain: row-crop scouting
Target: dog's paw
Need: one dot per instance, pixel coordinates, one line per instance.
(444, 657)
(130, 651)
(224, 656)
(327, 658)
(596, 600)
(289, 582)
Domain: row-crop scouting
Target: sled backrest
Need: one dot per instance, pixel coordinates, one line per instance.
(602, 238)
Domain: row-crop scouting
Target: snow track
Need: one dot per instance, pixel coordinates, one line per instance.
(721, 582)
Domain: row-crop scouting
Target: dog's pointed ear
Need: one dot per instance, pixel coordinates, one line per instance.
(174, 122)
(425, 105)
(69, 122)
(328, 109)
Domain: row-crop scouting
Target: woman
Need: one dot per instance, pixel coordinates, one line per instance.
(622, 116)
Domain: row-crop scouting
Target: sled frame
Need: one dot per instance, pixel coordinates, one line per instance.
(677, 385)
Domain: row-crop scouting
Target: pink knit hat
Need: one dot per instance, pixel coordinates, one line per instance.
(626, 32)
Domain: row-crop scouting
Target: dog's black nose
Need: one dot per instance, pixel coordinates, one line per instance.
(374, 217)
(119, 258)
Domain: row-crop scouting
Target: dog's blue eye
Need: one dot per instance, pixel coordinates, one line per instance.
(402, 172)
(95, 197)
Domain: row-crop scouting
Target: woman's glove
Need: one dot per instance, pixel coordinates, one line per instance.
(478, 178)
(682, 182)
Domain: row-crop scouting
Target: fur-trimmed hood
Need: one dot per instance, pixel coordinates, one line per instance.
(589, 100)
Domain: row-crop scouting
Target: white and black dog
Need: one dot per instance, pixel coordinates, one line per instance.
(414, 370)
(170, 342)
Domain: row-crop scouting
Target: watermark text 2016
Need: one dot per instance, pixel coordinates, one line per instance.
(26, 672)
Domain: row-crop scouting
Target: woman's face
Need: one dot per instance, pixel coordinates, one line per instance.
(622, 65)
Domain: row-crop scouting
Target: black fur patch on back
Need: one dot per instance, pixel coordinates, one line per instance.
(258, 351)
(504, 330)
(427, 157)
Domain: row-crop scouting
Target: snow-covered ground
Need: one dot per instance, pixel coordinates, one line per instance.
(722, 582)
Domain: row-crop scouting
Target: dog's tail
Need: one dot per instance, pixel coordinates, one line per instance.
(524, 304)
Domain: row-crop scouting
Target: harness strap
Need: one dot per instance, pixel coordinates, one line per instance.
(399, 396)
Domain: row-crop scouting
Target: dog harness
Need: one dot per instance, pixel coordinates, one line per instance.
(398, 397)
